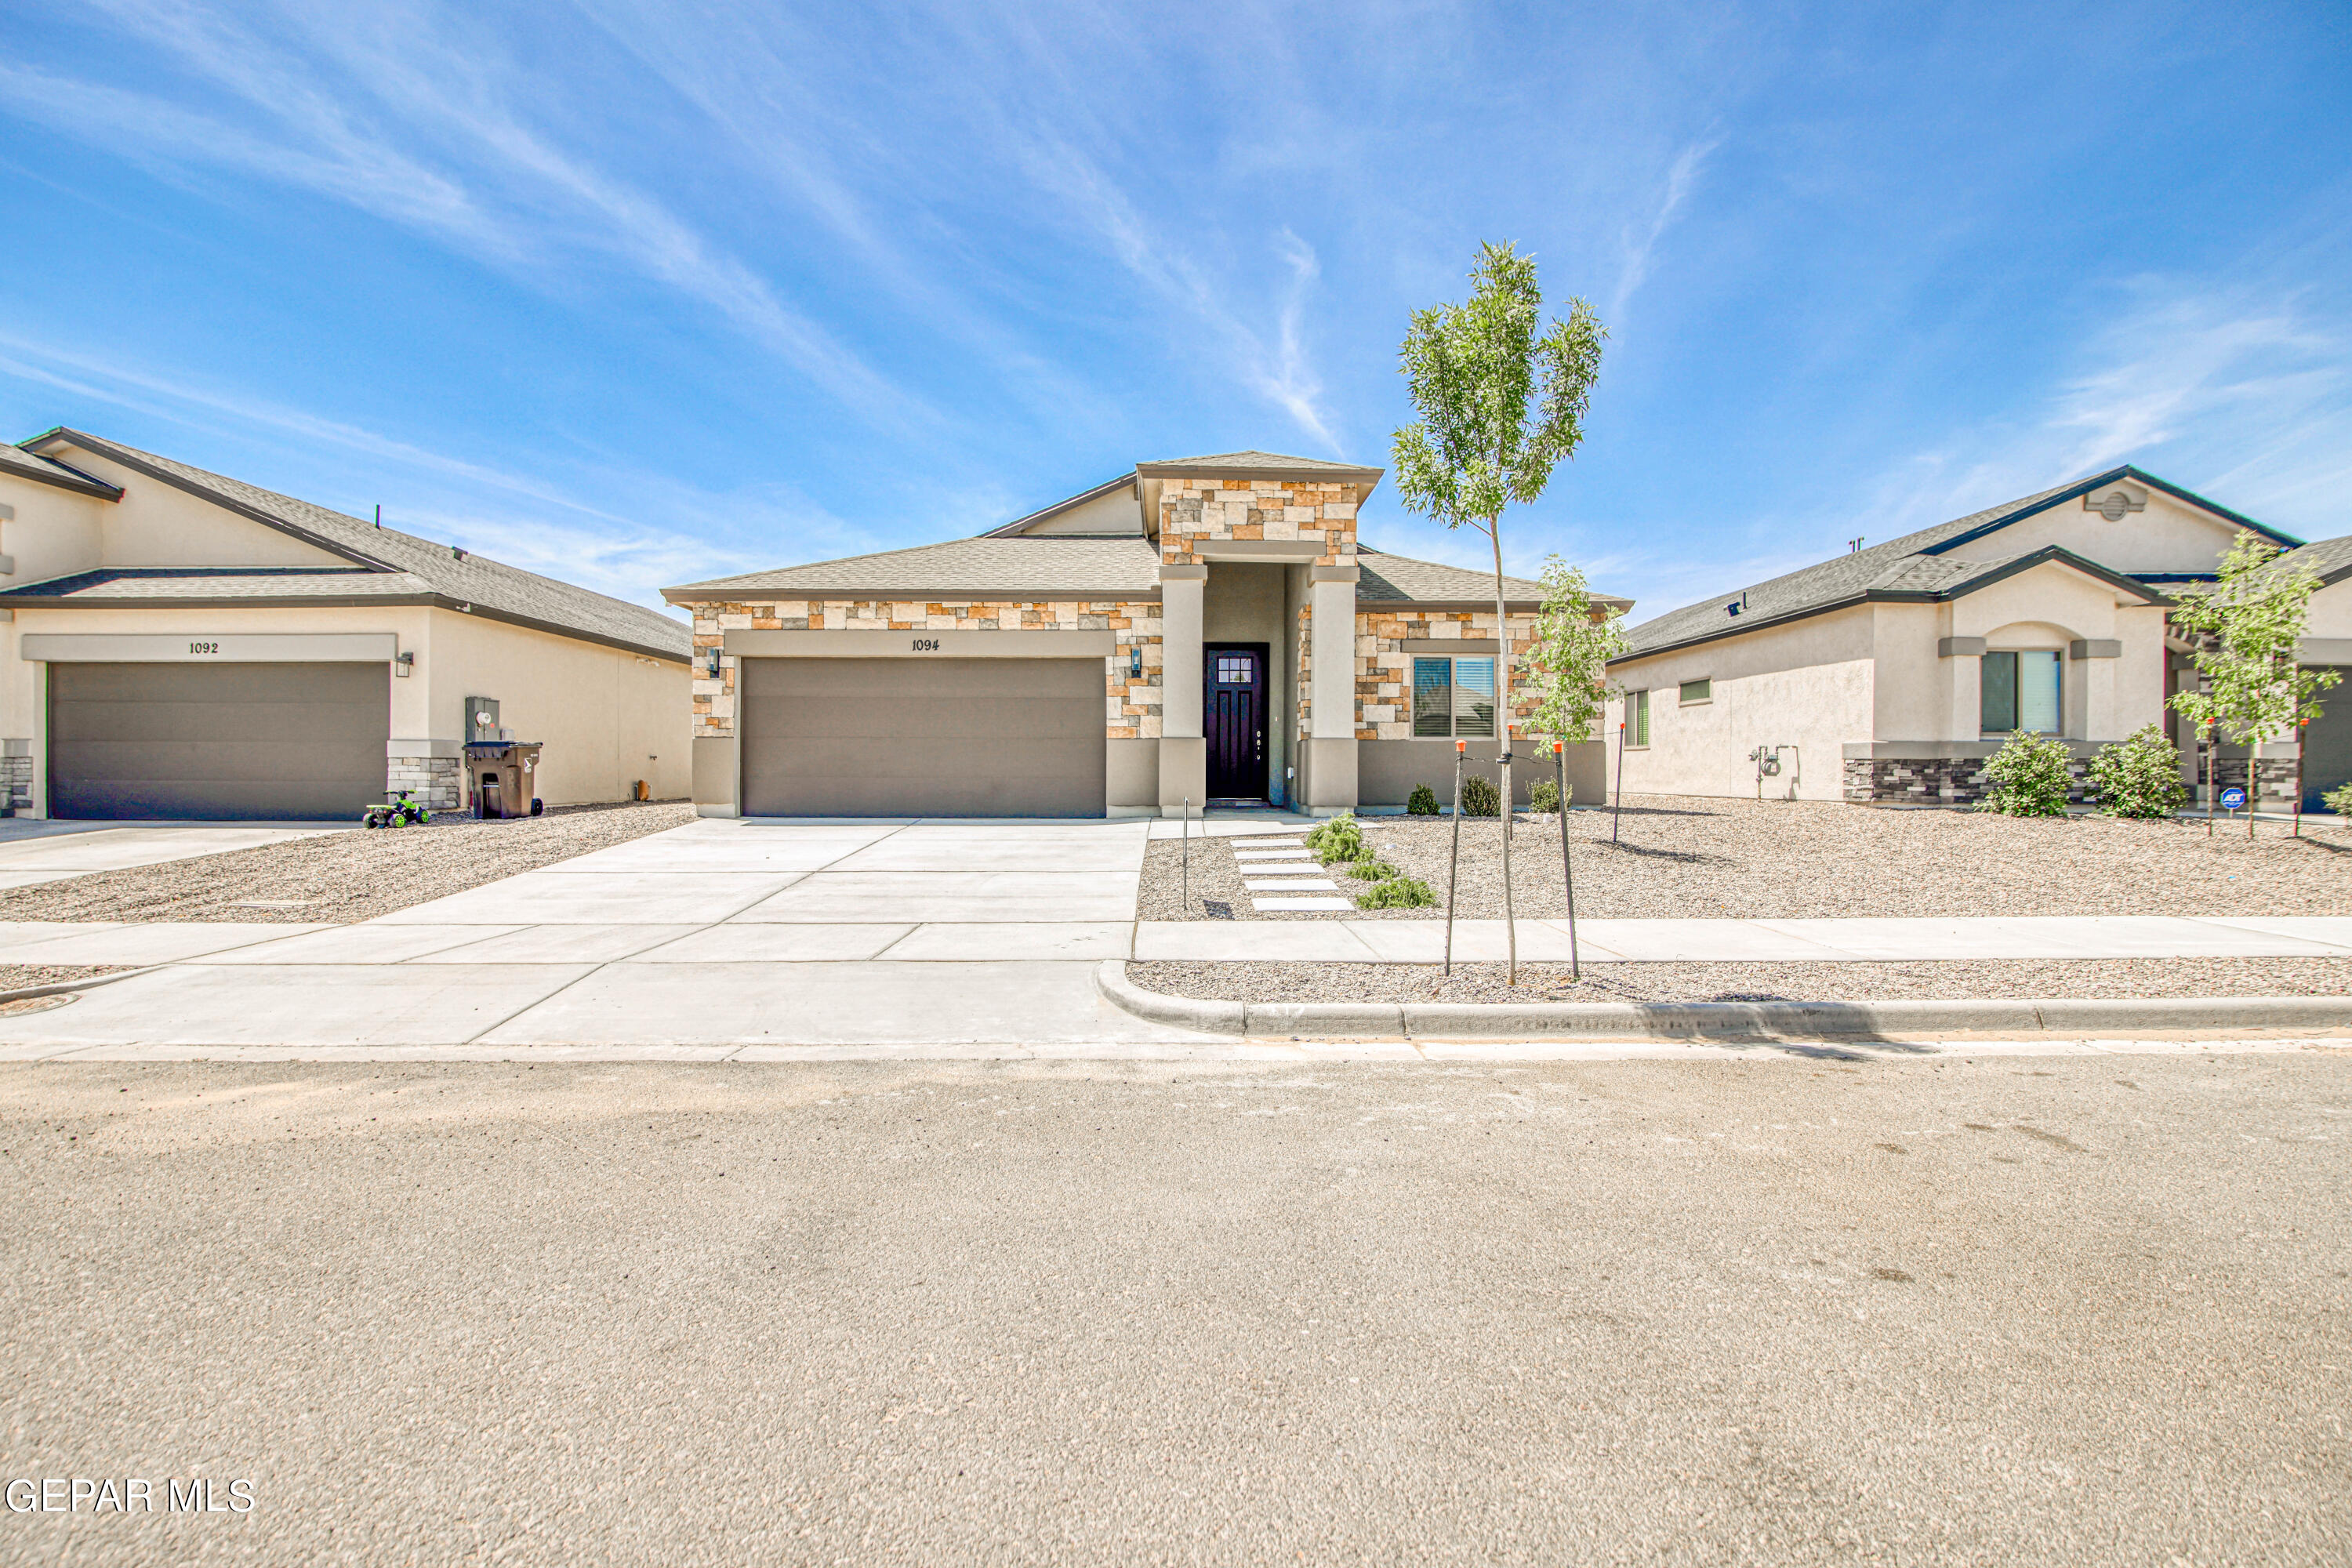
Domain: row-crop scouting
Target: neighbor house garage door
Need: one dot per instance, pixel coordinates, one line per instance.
(921, 737)
(241, 741)
(2327, 745)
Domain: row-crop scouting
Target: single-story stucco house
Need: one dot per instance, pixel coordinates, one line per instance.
(1890, 673)
(174, 644)
(1207, 629)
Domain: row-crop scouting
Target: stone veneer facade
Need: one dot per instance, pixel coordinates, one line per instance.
(1191, 510)
(17, 779)
(1384, 670)
(1960, 781)
(1131, 705)
(433, 782)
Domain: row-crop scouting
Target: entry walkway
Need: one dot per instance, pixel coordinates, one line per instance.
(735, 937)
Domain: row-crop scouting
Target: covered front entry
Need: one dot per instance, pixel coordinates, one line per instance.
(217, 741)
(921, 737)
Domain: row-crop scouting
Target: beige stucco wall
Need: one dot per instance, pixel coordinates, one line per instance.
(2168, 536)
(55, 532)
(2331, 611)
(155, 524)
(1117, 512)
(1807, 685)
(607, 716)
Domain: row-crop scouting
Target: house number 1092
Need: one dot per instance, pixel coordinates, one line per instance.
(204, 647)
(927, 645)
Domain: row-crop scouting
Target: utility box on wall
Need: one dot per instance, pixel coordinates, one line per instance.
(482, 721)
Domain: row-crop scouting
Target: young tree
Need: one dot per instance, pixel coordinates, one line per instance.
(1502, 400)
(1568, 663)
(2247, 625)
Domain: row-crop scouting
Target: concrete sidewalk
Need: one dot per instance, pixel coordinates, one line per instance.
(721, 936)
(1721, 941)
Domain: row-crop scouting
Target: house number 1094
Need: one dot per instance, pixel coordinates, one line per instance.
(927, 645)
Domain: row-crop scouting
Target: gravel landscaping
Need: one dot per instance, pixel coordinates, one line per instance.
(341, 877)
(1694, 858)
(17, 976)
(1943, 980)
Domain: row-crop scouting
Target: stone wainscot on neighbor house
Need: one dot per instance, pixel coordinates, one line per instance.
(1889, 674)
(178, 644)
(1204, 630)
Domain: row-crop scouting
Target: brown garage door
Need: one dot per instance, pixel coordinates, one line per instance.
(920, 737)
(219, 742)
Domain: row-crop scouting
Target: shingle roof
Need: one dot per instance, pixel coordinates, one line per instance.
(1931, 561)
(1400, 579)
(1272, 464)
(437, 571)
(175, 584)
(48, 471)
(1047, 566)
(2326, 559)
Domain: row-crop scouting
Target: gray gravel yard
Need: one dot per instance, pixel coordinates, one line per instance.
(340, 877)
(1693, 857)
(1941, 980)
(17, 976)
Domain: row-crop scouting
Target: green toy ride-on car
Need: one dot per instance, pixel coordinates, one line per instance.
(399, 813)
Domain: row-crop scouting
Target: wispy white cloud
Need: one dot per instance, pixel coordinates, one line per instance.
(1640, 241)
(1283, 374)
(421, 131)
(621, 531)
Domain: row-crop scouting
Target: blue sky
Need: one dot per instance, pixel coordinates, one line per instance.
(637, 294)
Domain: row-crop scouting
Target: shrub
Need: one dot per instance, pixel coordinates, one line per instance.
(1396, 893)
(1423, 802)
(1372, 871)
(1544, 796)
(2138, 776)
(1480, 797)
(1337, 838)
(2027, 777)
(2339, 801)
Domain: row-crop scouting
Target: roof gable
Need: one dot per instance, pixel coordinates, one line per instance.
(1257, 465)
(1902, 567)
(447, 574)
(33, 466)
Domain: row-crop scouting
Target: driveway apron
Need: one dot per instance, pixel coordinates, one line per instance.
(719, 934)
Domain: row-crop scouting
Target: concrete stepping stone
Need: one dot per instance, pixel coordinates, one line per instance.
(1279, 904)
(1290, 885)
(1283, 868)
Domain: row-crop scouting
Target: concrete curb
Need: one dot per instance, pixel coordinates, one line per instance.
(1510, 1020)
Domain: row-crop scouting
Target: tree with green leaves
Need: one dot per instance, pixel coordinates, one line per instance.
(2246, 628)
(1502, 399)
(1568, 655)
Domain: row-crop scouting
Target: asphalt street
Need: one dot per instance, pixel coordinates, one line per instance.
(2078, 1310)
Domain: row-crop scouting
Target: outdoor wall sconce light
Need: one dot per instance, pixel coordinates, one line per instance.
(710, 662)
(405, 666)
(1135, 661)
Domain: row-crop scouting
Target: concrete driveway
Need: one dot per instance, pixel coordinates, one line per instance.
(709, 939)
(33, 851)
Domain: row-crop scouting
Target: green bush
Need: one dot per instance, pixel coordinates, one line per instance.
(1337, 838)
(1544, 794)
(1480, 797)
(1423, 802)
(1372, 871)
(1396, 893)
(2339, 801)
(2027, 777)
(2138, 776)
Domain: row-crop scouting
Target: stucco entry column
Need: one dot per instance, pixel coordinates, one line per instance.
(1331, 688)
(1183, 752)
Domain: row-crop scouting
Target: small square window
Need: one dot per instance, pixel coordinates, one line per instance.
(1698, 691)
(1232, 669)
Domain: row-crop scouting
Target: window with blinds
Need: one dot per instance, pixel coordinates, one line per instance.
(1453, 697)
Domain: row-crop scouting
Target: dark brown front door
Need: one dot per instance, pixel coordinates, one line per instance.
(1232, 717)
